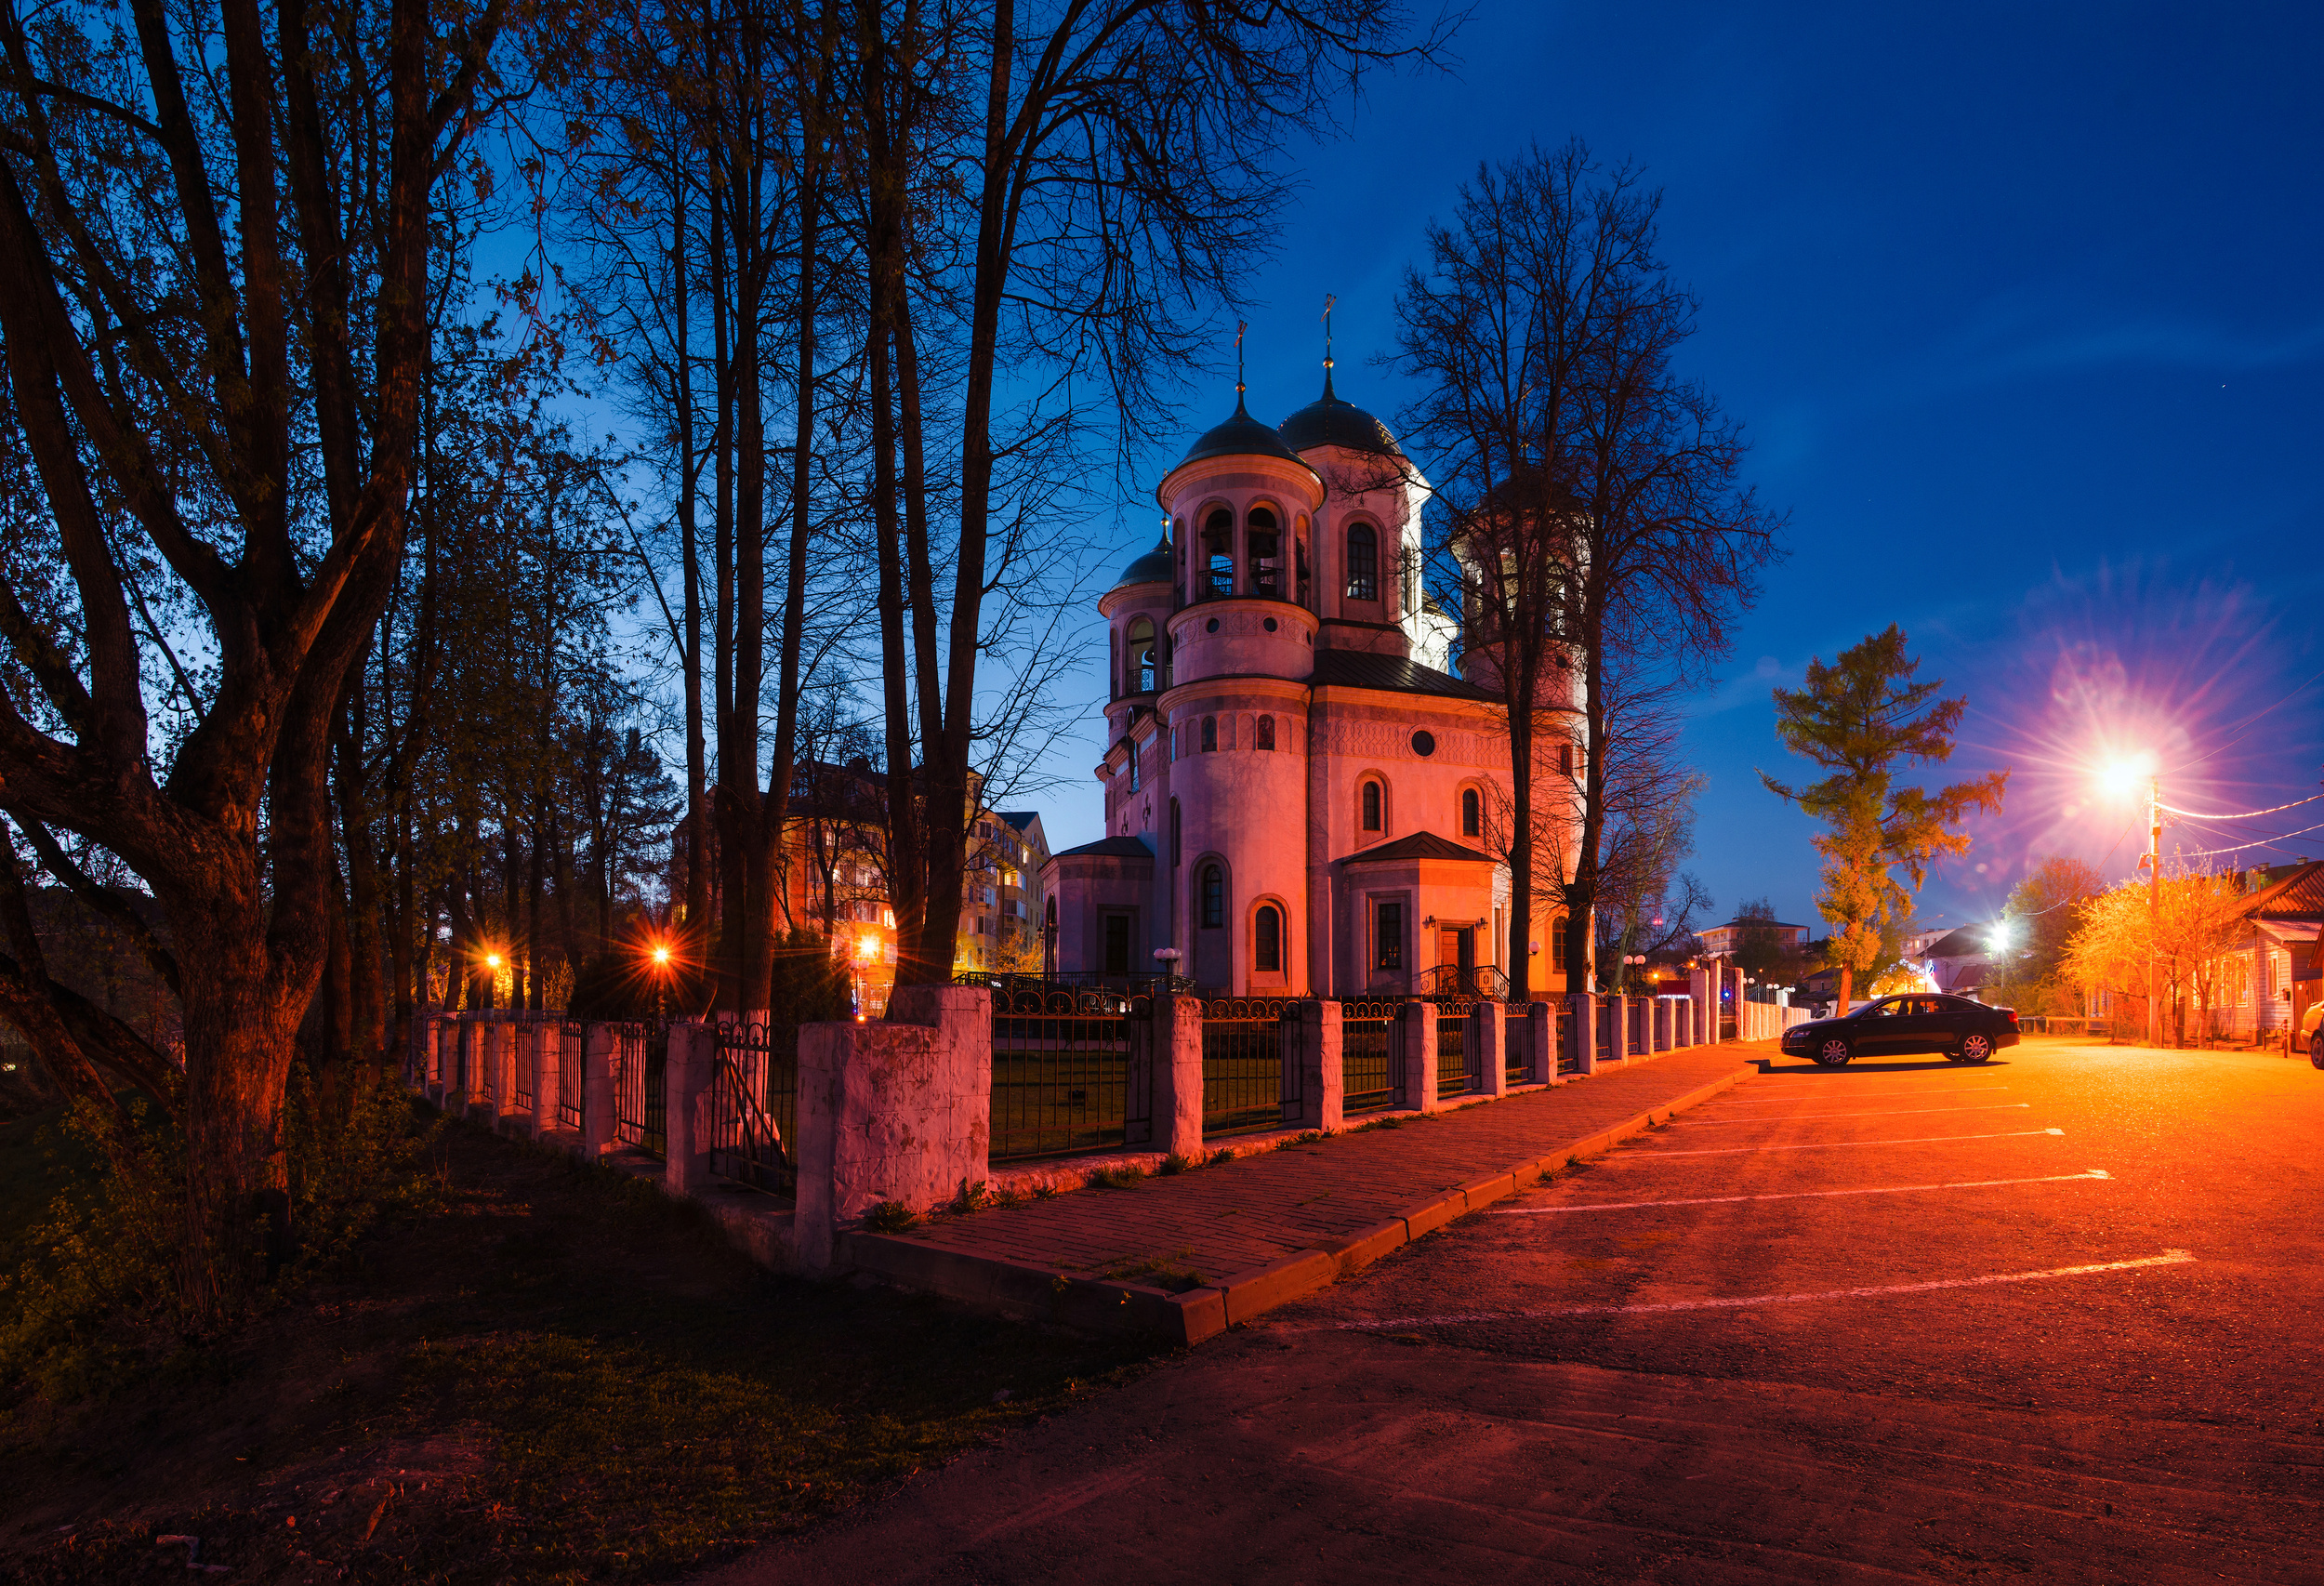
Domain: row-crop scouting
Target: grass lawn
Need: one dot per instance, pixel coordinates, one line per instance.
(559, 1377)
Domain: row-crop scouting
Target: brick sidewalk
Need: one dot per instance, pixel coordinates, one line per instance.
(1235, 1222)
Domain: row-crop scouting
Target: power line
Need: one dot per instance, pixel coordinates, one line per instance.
(2243, 816)
(2264, 842)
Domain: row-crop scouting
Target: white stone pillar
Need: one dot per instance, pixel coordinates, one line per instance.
(1488, 1048)
(1419, 1055)
(1617, 1028)
(687, 1100)
(597, 1089)
(1323, 1081)
(1178, 1074)
(1542, 1039)
(1584, 1005)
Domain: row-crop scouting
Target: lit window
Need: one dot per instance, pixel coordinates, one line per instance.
(1387, 936)
(1142, 673)
(1362, 564)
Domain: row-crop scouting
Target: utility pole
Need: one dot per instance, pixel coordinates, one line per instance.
(2154, 910)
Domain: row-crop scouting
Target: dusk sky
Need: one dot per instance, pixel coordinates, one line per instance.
(2020, 306)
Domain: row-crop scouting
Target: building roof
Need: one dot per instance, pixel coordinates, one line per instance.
(2298, 896)
(1153, 567)
(1019, 818)
(1419, 845)
(1332, 422)
(1108, 848)
(1361, 669)
(1959, 943)
(1241, 436)
(1747, 924)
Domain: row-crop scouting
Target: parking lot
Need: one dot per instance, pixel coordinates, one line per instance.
(2055, 1316)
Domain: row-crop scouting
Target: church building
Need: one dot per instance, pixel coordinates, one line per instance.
(1301, 800)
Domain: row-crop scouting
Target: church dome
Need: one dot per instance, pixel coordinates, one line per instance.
(1153, 567)
(1332, 422)
(1241, 436)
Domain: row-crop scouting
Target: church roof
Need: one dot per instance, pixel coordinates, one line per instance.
(1361, 669)
(1108, 848)
(1241, 436)
(1419, 845)
(1328, 421)
(1153, 567)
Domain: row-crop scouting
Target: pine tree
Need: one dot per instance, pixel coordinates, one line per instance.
(1863, 718)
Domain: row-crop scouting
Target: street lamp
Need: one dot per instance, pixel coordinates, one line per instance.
(2122, 778)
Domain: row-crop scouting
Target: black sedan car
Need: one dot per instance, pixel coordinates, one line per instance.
(1962, 1030)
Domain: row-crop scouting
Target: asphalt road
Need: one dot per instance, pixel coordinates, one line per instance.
(2057, 1317)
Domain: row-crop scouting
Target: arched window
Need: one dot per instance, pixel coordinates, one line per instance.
(1143, 672)
(1565, 759)
(1113, 659)
(1210, 734)
(1177, 839)
(1266, 736)
(1133, 768)
(1371, 806)
(1472, 814)
(1213, 897)
(1263, 544)
(1267, 940)
(1557, 945)
(1218, 545)
(1363, 562)
(1299, 567)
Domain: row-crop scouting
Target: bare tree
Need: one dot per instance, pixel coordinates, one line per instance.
(1588, 495)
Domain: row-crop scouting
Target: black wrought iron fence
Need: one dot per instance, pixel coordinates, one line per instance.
(518, 1054)
(754, 1105)
(1605, 1029)
(571, 1074)
(1073, 1070)
(1455, 1076)
(1637, 1040)
(1371, 1057)
(1568, 1040)
(1487, 981)
(1517, 1044)
(1247, 1084)
(641, 1104)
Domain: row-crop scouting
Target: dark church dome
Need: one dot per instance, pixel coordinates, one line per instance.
(1151, 568)
(1241, 436)
(1331, 422)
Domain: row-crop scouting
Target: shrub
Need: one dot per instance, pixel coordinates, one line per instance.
(1177, 1162)
(1122, 1177)
(890, 1217)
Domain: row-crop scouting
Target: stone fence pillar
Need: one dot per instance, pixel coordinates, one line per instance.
(686, 1099)
(1584, 1005)
(1419, 1055)
(1488, 1050)
(1617, 1028)
(548, 1066)
(899, 1110)
(1178, 1074)
(597, 1089)
(1322, 1082)
(1541, 1038)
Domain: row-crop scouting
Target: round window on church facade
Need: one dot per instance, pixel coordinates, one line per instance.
(1271, 624)
(1211, 627)
(1423, 744)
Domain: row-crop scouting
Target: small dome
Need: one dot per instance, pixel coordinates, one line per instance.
(1331, 422)
(1151, 568)
(1241, 436)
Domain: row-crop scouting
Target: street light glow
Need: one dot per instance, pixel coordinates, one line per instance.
(2126, 778)
(492, 960)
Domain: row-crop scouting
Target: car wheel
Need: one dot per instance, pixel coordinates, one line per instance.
(2316, 1049)
(1976, 1049)
(1833, 1053)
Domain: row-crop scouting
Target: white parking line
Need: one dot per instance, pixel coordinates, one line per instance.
(1792, 1194)
(1840, 1144)
(2167, 1258)
(1900, 1112)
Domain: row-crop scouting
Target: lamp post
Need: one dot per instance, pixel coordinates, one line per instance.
(2154, 909)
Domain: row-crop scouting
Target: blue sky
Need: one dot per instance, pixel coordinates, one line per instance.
(2021, 306)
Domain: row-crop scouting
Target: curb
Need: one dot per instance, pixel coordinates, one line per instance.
(1023, 1290)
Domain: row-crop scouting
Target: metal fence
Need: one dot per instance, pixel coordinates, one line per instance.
(520, 1038)
(1247, 1084)
(1371, 1057)
(1516, 1044)
(754, 1105)
(1605, 1029)
(641, 1106)
(1073, 1070)
(571, 1101)
(1454, 1074)
(1568, 1040)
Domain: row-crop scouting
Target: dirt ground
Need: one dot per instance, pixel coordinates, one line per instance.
(561, 1377)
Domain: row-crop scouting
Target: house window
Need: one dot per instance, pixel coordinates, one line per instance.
(1557, 946)
(1362, 564)
(1143, 672)
(1371, 806)
(1266, 738)
(1218, 541)
(1210, 734)
(1213, 897)
(1267, 948)
(1264, 545)
(1472, 814)
(1387, 936)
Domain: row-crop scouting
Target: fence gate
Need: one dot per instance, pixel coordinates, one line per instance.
(1371, 1057)
(641, 1105)
(754, 1105)
(1246, 1083)
(1073, 1070)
